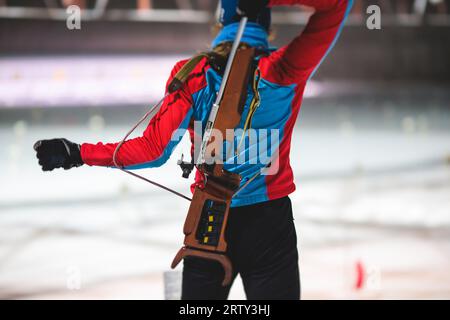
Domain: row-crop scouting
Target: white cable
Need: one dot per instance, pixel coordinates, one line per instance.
(116, 151)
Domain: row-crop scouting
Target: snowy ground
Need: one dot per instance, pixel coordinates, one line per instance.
(374, 202)
(372, 205)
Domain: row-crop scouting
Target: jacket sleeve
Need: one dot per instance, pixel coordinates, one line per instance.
(156, 144)
(297, 61)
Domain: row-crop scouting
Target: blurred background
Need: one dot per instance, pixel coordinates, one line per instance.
(371, 151)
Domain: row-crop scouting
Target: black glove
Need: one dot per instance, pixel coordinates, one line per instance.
(251, 8)
(58, 153)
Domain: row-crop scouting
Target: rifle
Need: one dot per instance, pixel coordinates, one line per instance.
(207, 217)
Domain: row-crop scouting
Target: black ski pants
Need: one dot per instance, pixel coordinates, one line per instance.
(262, 246)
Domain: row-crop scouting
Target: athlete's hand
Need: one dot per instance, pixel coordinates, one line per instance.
(58, 153)
(251, 8)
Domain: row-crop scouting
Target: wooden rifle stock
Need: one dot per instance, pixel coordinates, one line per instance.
(207, 217)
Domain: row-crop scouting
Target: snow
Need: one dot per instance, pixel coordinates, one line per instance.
(373, 189)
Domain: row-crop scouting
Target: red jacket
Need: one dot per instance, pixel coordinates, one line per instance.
(284, 74)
